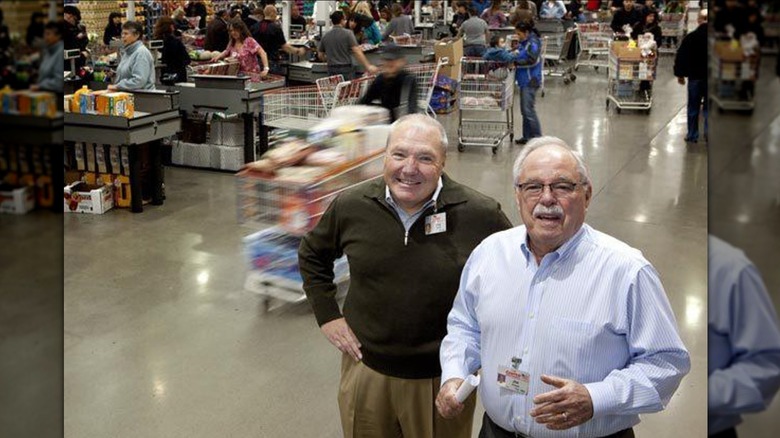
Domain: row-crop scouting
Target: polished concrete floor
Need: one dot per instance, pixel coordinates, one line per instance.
(161, 339)
(744, 199)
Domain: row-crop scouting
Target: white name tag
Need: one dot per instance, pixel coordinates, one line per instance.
(513, 380)
(435, 223)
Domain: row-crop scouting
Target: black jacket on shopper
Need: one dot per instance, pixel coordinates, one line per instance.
(217, 36)
(197, 10)
(691, 58)
(623, 17)
(175, 58)
(398, 94)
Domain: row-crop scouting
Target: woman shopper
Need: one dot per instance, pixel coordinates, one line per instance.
(113, 30)
(244, 48)
(136, 67)
(400, 24)
(494, 15)
(174, 54)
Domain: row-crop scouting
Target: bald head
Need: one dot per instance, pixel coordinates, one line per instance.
(702, 17)
(422, 124)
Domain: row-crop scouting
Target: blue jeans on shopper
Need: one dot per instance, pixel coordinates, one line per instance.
(697, 97)
(474, 50)
(531, 126)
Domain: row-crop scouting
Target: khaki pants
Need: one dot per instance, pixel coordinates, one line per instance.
(373, 405)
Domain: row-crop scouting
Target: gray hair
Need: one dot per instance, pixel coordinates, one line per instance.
(540, 142)
(421, 119)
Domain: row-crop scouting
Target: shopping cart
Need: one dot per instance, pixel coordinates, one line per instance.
(673, 28)
(426, 75)
(594, 45)
(556, 57)
(734, 76)
(291, 206)
(408, 40)
(485, 86)
(272, 259)
(326, 87)
(350, 92)
(630, 78)
(294, 108)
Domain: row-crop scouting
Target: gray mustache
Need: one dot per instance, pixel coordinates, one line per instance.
(555, 210)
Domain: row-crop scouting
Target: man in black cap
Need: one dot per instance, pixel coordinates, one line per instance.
(394, 87)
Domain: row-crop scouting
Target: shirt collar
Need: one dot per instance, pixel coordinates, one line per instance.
(562, 251)
(434, 198)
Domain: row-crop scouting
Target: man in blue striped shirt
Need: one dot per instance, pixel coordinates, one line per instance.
(571, 328)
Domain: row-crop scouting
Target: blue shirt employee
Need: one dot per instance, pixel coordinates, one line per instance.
(571, 328)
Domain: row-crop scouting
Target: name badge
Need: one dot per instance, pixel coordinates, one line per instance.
(513, 380)
(435, 223)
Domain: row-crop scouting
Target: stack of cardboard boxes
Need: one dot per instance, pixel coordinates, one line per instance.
(25, 178)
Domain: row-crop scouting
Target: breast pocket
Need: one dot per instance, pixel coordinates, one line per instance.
(576, 344)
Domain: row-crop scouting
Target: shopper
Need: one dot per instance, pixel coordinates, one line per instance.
(394, 87)
(217, 35)
(75, 36)
(479, 6)
(270, 35)
(527, 5)
(180, 21)
(399, 25)
(691, 62)
(35, 30)
(460, 16)
(552, 10)
(244, 48)
(628, 15)
(582, 315)
(494, 15)
(113, 30)
(735, 15)
(196, 8)
(365, 28)
(337, 47)
(393, 230)
(52, 59)
(174, 55)
(743, 342)
(649, 24)
(136, 67)
(522, 14)
(574, 11)
(528, 75)
(475, 35)
(295, 16)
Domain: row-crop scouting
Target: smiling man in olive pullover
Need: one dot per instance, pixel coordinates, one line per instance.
(406, 237)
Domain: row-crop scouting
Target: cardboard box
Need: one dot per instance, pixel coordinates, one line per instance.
(16, 200)
(726, 51)
(451, 71)
(452, 50)
(81, 197)
(37, 103)
(626, 53)
(118, 104)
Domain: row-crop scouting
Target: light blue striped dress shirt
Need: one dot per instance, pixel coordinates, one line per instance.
(743, 342)
(593, 311)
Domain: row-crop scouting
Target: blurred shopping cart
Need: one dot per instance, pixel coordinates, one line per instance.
(485, 87)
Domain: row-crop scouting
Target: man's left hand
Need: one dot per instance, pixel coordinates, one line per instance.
(565, 407)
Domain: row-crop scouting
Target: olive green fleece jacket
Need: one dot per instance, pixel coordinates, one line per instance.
(399, 294)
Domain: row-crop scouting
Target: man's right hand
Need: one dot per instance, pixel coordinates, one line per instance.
(372, 69)
(340, 335)
(449, 406)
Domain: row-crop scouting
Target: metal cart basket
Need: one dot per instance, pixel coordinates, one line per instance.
(595, 39)
(630, 79)
(486, 86)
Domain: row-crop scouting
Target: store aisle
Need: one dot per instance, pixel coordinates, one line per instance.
(161, 339)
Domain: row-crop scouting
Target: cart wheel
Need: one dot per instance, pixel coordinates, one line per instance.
(573, 78)
(720, 110)
(266, 305)
(511, 137)
(617, 109)
(647, 111)
(576, 67)
(596, 67)
(494, 149)
(607, 103)
(749, 112)
(542, 93)
(566, 80)
(461, 148)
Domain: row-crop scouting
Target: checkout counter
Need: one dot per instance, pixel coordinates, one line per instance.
(230, 95)
(156, 117)
(30, 148)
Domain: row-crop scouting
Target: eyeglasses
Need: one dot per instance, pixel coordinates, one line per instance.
(558, 189)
